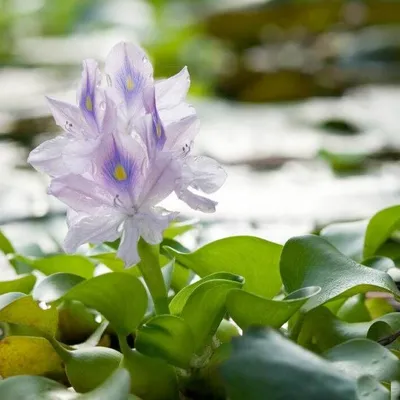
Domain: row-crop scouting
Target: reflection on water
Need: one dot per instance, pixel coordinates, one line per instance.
(292, 167)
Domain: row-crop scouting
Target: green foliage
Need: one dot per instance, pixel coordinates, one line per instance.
(312, 329)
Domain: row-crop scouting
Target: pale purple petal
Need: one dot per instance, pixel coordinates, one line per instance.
(78, 154)
(181, 134)
(94, 229)
(177, 113)
(153, 223)
(129, 70)
(195, 201)
(157, 130)
(118, 163)
(81, 194)
(207, 174)
(127, 249)
(67, 116)
(170, 92)
(159, 181)
(47, 156)
(89, 94)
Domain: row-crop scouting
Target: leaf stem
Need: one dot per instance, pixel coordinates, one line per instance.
(149, 266)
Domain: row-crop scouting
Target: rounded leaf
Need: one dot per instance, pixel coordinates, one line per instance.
(168, 337)
(247, 309)
(257, 260)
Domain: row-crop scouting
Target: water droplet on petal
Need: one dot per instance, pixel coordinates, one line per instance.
(44, 306)
(102, 105)
(108, 79)
(145, 60)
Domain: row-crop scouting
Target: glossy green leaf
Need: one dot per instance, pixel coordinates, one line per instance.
(179, 228)
(67, 263)
(265, 365)
(119, 296)
(55, 286)
(247, 309)
(312, 261)
(180, 299)
(359, 357)
(368, 388)
(379, 263)
(322, 330)
(5, 245)
(347, 237)
(168, 337)
(151, 378)
(354, 309)
(22, 284)
(23, 310)
(379, 229)
(257, 260)
(116, 387)
(204, 307)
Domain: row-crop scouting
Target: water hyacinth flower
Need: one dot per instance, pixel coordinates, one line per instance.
(126, 146)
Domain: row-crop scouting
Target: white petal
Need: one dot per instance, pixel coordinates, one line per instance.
(127, 250)
(181, 134)
(94, 229)
(181, 111)
(159, 181)
(81, 194)
(208, 175)
(47, 157)
(171, 91)
(196, 201)
(67, 116)
(152, 224)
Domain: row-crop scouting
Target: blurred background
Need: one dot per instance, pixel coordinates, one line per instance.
(299, 99)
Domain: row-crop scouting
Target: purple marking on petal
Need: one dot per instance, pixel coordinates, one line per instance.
(119, 170)
(128, 81)
(87, 100)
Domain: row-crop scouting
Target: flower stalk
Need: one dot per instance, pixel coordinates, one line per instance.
(149, 267)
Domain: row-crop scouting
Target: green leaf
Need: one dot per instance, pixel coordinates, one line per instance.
(257, 260)
(5, 245)
(23, 284)
(354, 309)
(116, 387)
(359, 357)
(71, 264)
(204, 307)
(380, 228)
(347, 237)
(368, 388)
(179, 228)
(379, 263)
(247, 309)
(312, 261)
(119, 296)
(151, 378)
(25, 355)
(55, 286)
(178, 302)
(265, 365)
(25, 311)
(321, 330)
(168, 337)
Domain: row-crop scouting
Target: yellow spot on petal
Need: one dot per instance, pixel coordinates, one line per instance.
(158, 130)
(130, 85)
(120, 173)
(89, 104)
